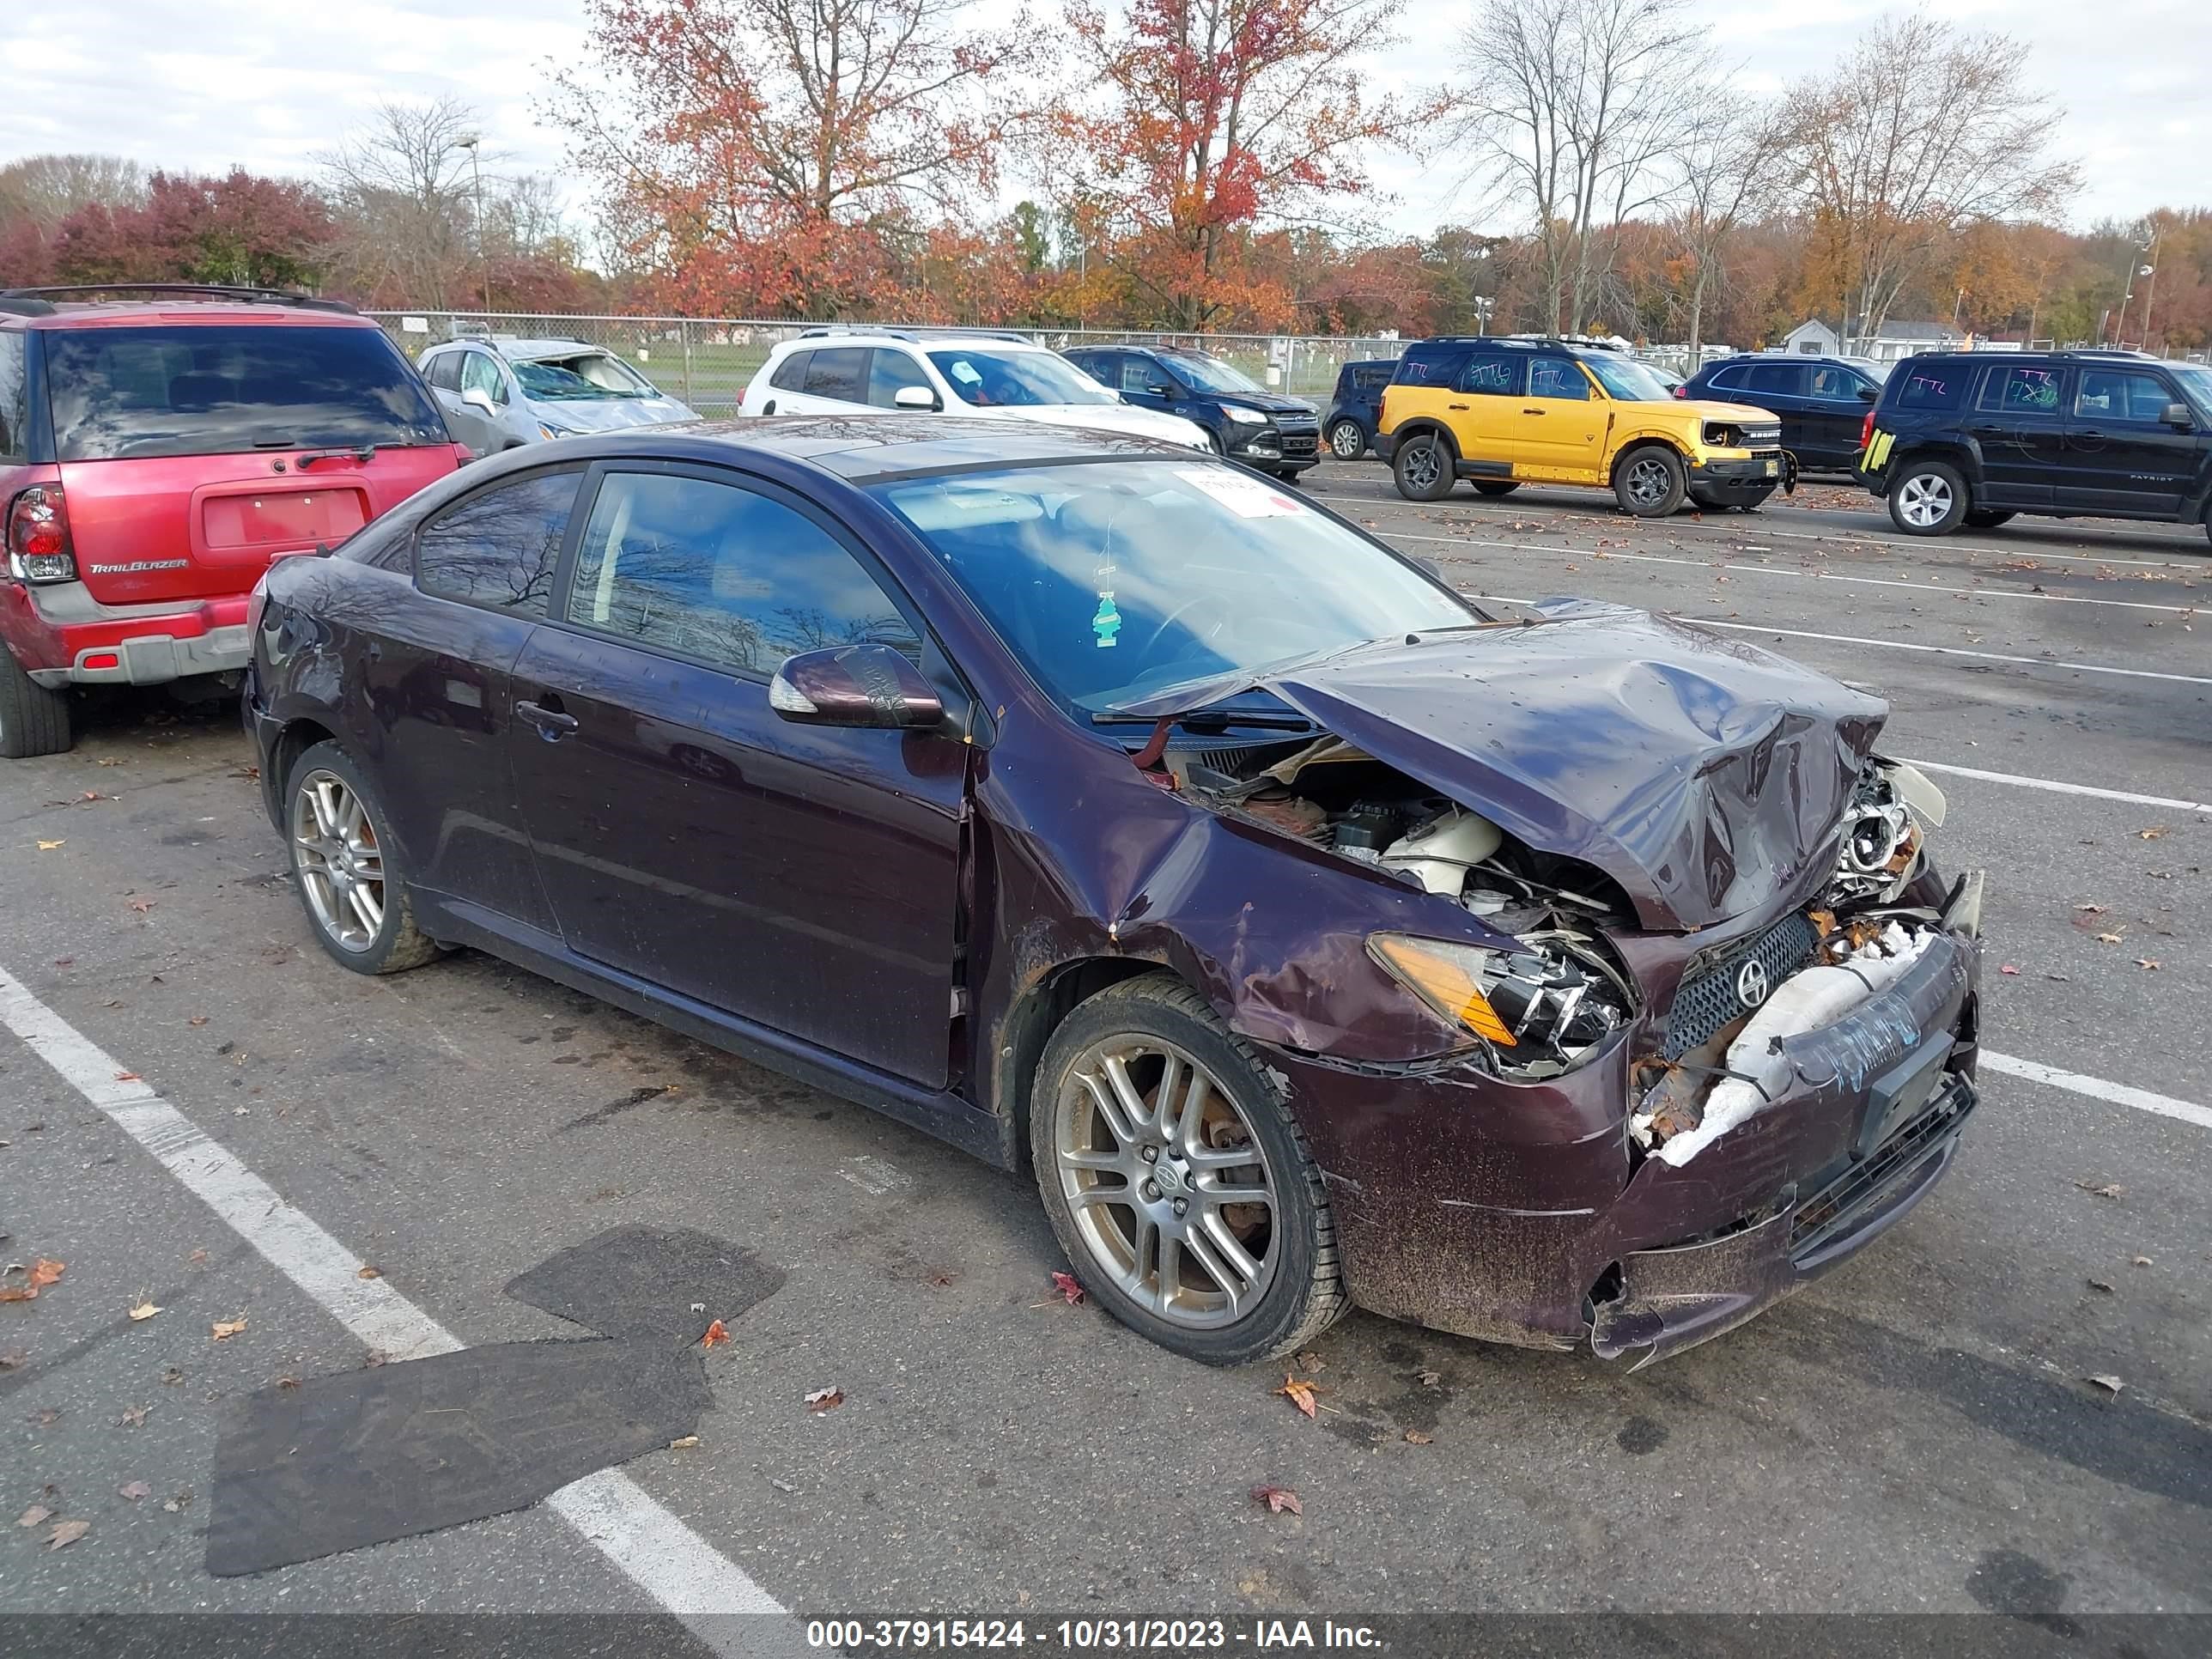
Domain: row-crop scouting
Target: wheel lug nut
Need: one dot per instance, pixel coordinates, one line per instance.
(1150, 1189)
(1182, 1207)
(1151, 1154)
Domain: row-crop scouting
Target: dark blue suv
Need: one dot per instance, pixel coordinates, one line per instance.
(1250, 423)
(1822, 401)
(1356, 405)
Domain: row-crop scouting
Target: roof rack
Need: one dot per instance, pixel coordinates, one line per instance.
(24, 305)
(268, 296)
(915, 336)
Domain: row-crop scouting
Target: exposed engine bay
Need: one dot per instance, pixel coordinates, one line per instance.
(1543, 1009)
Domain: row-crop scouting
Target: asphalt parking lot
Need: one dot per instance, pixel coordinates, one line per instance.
(1920, 1431)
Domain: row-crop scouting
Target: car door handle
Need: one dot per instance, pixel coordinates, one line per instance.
(1988, 431)
(552, 724)
(1532, 411)
(1455, 405)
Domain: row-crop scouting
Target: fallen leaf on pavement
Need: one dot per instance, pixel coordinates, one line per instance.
(2143, 1262)
(1415, 1437)
(1300, 1394)
(1430, 1379)
(176, 1506)
(2151, 834)
(715, 1335)
(198, 1019)
(2109, 1384)
(2148, 964)
(370, 1272)
(143, 905)
(1065, 1283)
(683, 1442)
(144, 1311)
(49, 846)
(67, 1534)
(2008, 968)
(2100, 1285)
(135, 1490)
(128, 1077)
(2110, 1189)
(32, 1516)
(12, 1360)
(224, 1329)
(1277, 1499)
(826, 1400)
(134, 1417)
(39, 1274)
(2108, 938)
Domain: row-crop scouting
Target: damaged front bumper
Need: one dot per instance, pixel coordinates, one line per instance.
(1526, 1214)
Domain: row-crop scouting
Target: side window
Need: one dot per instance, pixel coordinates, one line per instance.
(498, 547)
(1932, 385)
(1558, 377)
(1139, 374)
(1730, 378)
(15, 395)
(2022, 391)
(480, 373)
(1371, 380)
(791, 374)
(445, 371)
(724, 574)
(840, 373)
(889, 369)
(1493, 377)
(1836, 383)
(2112, 394)
(1431, 366)
(1784, 379)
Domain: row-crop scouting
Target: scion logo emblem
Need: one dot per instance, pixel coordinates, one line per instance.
(1750, 985)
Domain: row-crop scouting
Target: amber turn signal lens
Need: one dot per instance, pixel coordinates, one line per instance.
(1447, 977)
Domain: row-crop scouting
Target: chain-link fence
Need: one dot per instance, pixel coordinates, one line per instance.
(707, 361)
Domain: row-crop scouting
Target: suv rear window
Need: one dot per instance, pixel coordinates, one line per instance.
(14, 396)
(1430, 365)
(1930, 386)
(212, 389)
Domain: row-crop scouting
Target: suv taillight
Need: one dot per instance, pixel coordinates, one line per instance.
(38, 536)
(1682, 390)
(1866, 430)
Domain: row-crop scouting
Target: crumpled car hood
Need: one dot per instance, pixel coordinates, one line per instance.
(609, 413)
(1701, 773)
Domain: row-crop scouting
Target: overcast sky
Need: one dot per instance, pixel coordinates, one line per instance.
(200, 84)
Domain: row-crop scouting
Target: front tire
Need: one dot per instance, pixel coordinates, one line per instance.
(1650, 483)
(33, 720)
(351, 876)
(1347, 441)
(1928, 498)
(1495, 487)
(1177, 1181)
(1423, 470)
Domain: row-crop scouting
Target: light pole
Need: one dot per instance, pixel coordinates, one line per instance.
(471, 142)
(2150, 293)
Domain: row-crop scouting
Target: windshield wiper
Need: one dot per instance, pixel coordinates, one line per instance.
(362, 453)
(1214, 715)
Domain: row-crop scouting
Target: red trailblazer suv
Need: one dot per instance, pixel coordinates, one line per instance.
(157, 454)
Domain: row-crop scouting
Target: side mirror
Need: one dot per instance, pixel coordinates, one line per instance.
(2177, 415)
(914, 397)
(1870, 394)
(1158, 390)
(480, 400)
(854, 685)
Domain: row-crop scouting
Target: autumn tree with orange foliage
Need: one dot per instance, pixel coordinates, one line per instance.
(788, 156)
(1200, 121)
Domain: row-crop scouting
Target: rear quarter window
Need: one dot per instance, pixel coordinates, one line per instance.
(1430, 366)
(15, 395)
(223, 389)
(791, 374)
(1936, 385)
(498, 547)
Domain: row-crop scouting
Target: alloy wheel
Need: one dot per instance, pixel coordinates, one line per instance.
(338, 861)
(1924, 500)
(1422, 466)
(1345, 441)
(1169, 1190)
(1649, 481)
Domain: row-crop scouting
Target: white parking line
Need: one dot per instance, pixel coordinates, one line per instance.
(1849, 538)
(1892, 645)
(2118, 1094)
(2058, 788)
(1805, 575)
(662, 1556)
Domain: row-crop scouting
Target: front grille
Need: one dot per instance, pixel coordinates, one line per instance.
(1300, 443)
(1842, 1203)
(1709, 999)
(1762, 437)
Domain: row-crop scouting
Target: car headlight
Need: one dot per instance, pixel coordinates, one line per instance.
(1539, 1010)
(1243, 416)
(546, 429)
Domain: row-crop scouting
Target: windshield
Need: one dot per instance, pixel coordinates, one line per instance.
(216, 389)
(1627, 378)
(589, 374)
(1210, 373)
(1112, 581)
(1006, 379)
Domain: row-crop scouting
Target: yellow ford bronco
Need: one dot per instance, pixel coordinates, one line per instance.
(1502, 413)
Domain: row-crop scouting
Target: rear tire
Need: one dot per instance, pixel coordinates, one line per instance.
(1496, 486)
(1650, 482)
(351, 874)
(1136, 1046)
(1423, 470)
(1347, 441)
(34, 720)
(1928, 498)
(1985, 519)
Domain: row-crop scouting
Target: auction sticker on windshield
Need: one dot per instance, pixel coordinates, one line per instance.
(1246, 497)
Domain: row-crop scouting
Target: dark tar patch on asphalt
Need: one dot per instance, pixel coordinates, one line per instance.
(366, 1457)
